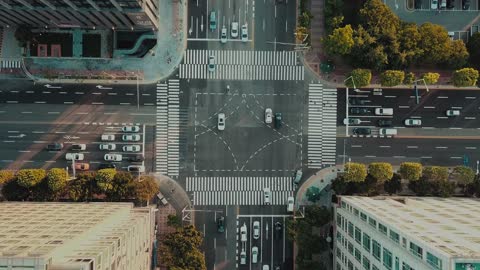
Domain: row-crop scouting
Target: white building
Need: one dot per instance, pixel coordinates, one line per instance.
(75, 236)
(408, 233)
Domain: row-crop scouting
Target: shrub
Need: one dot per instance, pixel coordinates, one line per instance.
(30, 177)
(392, 77)
(6, 175)
(362, 77)
(431, 77)
(465, 77)
(57, 179)
(104, 179)
(355, 172)
(410, 170)
(409, 78)
(381, 171)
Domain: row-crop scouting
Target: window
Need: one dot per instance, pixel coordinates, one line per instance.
(350, 248)
(338, 266)
(366, 263)
(416, 250)
(344, 205)
(350, 229)
(355, 212)
(358, 255)
(374, 267)
(339, 253)
(387, 258)
(339, 236)
(372, 222)
(382, 228)
(434, 261)
(397, 264)
(366, 242)
(404, 242)
(358, 235)
(339, 220)
(405, 266)
(394, 236)
(376, 250)
(350, 265)
(363, 216)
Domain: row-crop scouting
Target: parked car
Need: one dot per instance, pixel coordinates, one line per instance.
(54, 146)
(290, 204)
(418, 4)
(136, 158)
(268, 115)
(131, 137)
(244, 33)
(266, 267)
(278, 120)
(78, 147)
(362, 131)
(254, 254)
(221, 121)
(243, 257)
(278, 229)
(256, 229)
(136, 168)
(112, 157)
(107, 166)
(443, 4)
(384, 123)
(221, 224)
(243, 233)
(211, 63)
(82, 166)
(363, 110)
(465, 4)
(298, 177)
(76, 156)
(452, 112)
(213, 21)
(131, 129)
(223, 35)
(434, 4)
(357, 101)
(131, 148)
(107, 146)
(413, 122)
(450, 4)
(351, 121)
(234, 30)
(383, 111)
(387, 131)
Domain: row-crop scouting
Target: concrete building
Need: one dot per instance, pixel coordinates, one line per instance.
(408, 233)
(91, 14)
(75, 236)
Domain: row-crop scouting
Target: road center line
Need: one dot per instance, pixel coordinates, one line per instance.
(442, 97)
(412, 146)
(471, 147)
(384, 146)
(356, 146)
(441, 147)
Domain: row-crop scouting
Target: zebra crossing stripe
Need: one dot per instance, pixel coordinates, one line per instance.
(239, 197)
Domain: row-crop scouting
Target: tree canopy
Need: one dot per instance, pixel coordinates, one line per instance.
(145, 189)
(355, 172)
(361, 77)
(465, 77)
(473, 47)
(411, 171)
(182, 249)
(104, 179)
(30, 177)
(6, 175)
(122, 187)
(340, 41)
(381, 171)
(57, 179)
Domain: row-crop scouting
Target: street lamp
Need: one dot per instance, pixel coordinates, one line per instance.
(477, 165)
(417, 98)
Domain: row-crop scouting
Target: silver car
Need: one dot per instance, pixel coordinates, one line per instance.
(112, 157)
(211, 63)
(107, 146)
(131, 138)
(131, 148)
(131, 129)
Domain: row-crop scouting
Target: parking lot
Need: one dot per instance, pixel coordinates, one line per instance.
(248, 143)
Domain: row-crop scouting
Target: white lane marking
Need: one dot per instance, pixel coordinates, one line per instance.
(13, 131)
(426, 157)
(14, 91)
(145, 94)
(68, 102)
(441, 147)
(470, 118)
(29, 92)
(428, 127)
(370, 156)
(399, 156)
(38, 132)
(139, 114)
(53, 112)
(442, 97)
(12, 101)
(63, 93)
(129, 94)
(412, 146)
(471, 147)
(79, 93)
(384, 146)
(456, 157)
(416, 117)
(403, 107)
(97, 103)
(46, 92)
(96, 93)
(112, 94)
(356, 146)
(148, 104)
(458, 108)
(390, 96)
(470, 97)
(40, 102)
(82, 113)
(429, 107)
(26, 112)
(122, 103)
(110, 113)
(50, 161)
(39, 141)
(7, 160)
(442, 117)
(455, 128)
(60, 132)
(24, 151)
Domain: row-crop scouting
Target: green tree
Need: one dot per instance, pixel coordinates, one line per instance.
(409, 78)
(57, 179)
(6, 175)
(174, 221)
(355, 172)
(435, 43)
(379, 19)
(458, 54)
(145, 189)
(463, 175)
(465, 77)
(30, 177)
(394, 185)
(392, 77)
(305, 18)
(122, 187)
(340, 186)
(104, 179)
(431, 77)
(473, 47)
(83, 187)
(362, 77)
(317, 215)
(313, 194)
(408, 39)
(435, 173)
(340, 42)
(473, 189)
(410, 171)
(332, 14)
(443, 188)
(182, 249)
(381, 171)
(421, 187)
(12, 191)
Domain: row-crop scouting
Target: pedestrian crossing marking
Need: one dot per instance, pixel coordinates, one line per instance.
(10, 63)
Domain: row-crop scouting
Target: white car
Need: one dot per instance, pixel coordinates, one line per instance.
(79, 147)
(131, 148)
(256, 229)
(223, 36)
(76, 156)
(351, 121)
(254, 254)
(211, 63)
(112, 157)
(243, 233)
(243, 257)
(221, 121)
(266, 267)
(434, 4)
(383, 111)
(413, 122)
(131, 129)
(290, 204)
(131, 137)
(107, 146)
(108, 137)
(234, 31)
(244, 33)
(268, 115)
(452, 112)
(136, 168)
(266, 195)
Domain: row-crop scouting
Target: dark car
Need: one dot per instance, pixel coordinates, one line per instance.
(136, 158)
(465, 4)
(418, 4)
(54, 147)
(221, 224)
(362, 131)
(384, 123)
(278, 120)
(357, 110)
(106, 166)
(357, 101)
(278, 229)
(450, 4)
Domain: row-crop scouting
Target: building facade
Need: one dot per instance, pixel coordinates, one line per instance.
(75, 236)
(407, 233)
(91, 14)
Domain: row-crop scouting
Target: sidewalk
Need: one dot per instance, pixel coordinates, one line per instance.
(320, 179)
(164, 59)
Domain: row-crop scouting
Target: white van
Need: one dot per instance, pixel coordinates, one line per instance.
(383, 111)
(388, 131)
(290, 203)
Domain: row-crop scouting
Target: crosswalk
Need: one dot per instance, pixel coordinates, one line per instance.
(238, 190)
(167, 128)
(10, 63)
(322, 126)
(242, 65)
